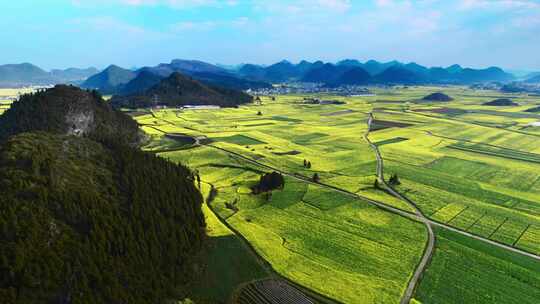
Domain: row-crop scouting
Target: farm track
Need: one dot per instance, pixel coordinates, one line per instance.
(430, 246)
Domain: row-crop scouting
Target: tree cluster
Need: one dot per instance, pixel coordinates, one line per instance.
(394, 180)
(269, 182)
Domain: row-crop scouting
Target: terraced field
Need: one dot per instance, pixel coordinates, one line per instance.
(460, 168)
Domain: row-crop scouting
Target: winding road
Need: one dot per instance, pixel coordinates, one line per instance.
(430, 246)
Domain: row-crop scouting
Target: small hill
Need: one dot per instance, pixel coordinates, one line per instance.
(110, 80)
(68, 110)
(533, 110)
(355, 76)
(438, 97)
(501, 102)
(144, 81)
(180, 90)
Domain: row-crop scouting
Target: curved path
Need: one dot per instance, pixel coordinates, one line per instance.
(430, 246)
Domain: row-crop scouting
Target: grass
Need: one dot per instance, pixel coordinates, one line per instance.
(464, 270)
(390, 141)
(497, 151)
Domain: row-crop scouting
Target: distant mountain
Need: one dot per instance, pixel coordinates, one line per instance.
(398, 75)
(110, 81)
(252, 71)
(374, 67)
(336, 75)
(73, 74)
(453, 69)
(534, 79)
(180, 90)
(350, 62)
(281, 72)
(144, 81)
(355, 76)
(196, 66)
(484, 75)
(328, 73)
(207, 73)
(25, 74)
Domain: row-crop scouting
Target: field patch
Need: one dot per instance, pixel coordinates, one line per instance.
(464, 270)
(445, 111)
(377, 125)
(497, 151)
(338, 113)
(390, 141)
(286, 119)
(241, 140)
(306, 138)
(287, 153)
(325, 199)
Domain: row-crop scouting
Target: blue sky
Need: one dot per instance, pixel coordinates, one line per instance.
(477, 33)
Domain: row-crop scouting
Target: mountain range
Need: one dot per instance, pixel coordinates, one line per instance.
(27, 74)
(116, 80)
(352, 71)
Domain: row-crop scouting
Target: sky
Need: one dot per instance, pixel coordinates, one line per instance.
(134, 33)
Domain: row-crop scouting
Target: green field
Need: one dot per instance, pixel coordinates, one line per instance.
(462, 164)
(467, 271)
(6, 96)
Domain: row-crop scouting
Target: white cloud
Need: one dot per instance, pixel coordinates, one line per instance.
(177, 4)
(191, 26)
(499, 4)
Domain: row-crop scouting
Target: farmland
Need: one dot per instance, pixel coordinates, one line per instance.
(7, 96)
(465, 165)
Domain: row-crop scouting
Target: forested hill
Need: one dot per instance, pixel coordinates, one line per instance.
(179, 90)
(85, 218)
(68, 110)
